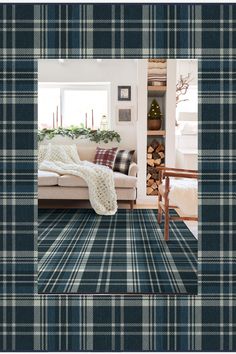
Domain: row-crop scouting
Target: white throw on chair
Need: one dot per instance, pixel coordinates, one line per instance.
(177, 190)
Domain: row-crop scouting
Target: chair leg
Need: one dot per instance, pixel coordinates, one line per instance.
(159, 215)
(166, 231)
(167, 217)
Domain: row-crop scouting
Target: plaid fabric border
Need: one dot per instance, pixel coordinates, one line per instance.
(33, 322)
(123, 160)
(105, 157)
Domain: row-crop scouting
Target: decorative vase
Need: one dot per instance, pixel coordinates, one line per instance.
(154, 124)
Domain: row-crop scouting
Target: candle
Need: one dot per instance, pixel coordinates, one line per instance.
(92, 119)
(53, 121)
(86, 120)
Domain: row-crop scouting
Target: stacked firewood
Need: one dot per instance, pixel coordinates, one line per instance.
(155, 158)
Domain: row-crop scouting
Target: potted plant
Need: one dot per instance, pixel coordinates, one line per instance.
(154, 116)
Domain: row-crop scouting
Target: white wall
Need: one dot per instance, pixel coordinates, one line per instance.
(142, 131)
(115, 71)
(170, 113)
(185, 66)
(186, 114)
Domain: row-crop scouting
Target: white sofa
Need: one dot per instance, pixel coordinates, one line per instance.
(53, 186)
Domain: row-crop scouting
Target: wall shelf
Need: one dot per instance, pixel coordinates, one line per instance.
(156, 132)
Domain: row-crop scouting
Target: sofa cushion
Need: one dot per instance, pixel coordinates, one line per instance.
(121, 181)
(124, 181)
(105, 157)
(46, 178)
(123, 161)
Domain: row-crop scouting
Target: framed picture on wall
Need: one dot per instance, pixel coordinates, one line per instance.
(124, 93)
(125, 115)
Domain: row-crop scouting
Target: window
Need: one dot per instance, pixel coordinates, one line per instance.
(72, 104)
(48, 107)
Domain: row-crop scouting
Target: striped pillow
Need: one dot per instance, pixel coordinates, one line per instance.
(123, 160)
(105, 157)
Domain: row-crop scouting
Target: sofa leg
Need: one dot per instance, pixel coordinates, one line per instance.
(131, 205)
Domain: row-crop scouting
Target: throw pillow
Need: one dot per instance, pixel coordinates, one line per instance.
(123, 160)
(105, 157)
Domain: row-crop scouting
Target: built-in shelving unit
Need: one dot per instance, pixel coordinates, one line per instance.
(156, 132)
(156, 138)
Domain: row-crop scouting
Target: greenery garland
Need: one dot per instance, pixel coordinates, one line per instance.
(74, 132)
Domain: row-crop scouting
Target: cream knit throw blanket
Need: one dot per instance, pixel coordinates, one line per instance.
(65, 160)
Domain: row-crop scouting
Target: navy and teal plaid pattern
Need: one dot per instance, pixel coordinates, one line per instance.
(115, 322)
(82, 252)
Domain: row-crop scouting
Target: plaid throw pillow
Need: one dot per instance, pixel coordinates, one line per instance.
(105, 157)
(123, 160)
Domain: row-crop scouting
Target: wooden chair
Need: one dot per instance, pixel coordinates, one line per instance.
(163, 194)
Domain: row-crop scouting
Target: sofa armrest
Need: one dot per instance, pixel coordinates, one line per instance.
(133, 169)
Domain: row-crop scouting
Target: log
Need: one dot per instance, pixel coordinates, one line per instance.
(154, 144)
(155, 155)
(150, 162)
(149, 190)
(155, 158)
(157, 162)
(154, 192)
(160, 148)
(154, 175)
(154, 172)
(150, 149)
(150, 182)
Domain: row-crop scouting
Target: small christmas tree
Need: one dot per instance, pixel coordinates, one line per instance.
(155, 111)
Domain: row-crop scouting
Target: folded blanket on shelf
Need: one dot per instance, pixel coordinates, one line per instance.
(157, 65)
(157, 71)
(156, 60)
(156, 78)
(156, 83)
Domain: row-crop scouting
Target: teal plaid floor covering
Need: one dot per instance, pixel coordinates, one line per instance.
(82, 252)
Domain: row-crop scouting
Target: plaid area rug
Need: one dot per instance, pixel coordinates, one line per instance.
(82, 252)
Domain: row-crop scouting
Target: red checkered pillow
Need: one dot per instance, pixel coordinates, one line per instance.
(105, 157)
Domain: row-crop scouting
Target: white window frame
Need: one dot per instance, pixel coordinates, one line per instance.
(90, 86)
